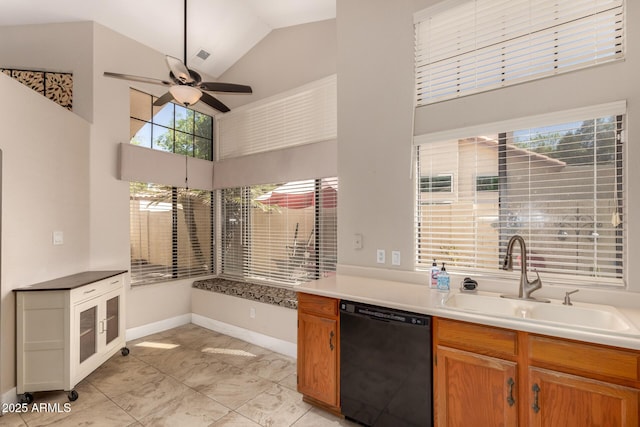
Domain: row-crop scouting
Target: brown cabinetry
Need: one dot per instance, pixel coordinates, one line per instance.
(472, 388)
(476, 375)
(318, 351)
(497, 377)
(574, 384)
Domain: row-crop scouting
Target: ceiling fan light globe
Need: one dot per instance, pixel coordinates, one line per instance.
(185, 95)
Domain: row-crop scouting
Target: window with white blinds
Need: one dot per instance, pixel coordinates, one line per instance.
(171, 227)
(171, 233)
(559, 186)
(283, 233)
(305, 115)
(463, 47)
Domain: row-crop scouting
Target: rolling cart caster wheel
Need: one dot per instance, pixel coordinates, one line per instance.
(124, 351)
(73, 396)
(27, 398)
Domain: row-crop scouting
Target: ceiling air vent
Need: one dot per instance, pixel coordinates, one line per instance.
(203, 54)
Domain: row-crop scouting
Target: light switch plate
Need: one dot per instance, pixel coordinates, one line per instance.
(58, 238)
(357, 241)
(395, 257)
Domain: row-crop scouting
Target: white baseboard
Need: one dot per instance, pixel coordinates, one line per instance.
(155, 327)
(274, 344)
(10, 396)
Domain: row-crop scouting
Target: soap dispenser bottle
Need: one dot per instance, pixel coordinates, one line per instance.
(443, 279)
(434, 275)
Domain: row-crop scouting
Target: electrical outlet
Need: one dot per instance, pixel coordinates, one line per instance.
(252, 313)
(395, 257)
(380, 256)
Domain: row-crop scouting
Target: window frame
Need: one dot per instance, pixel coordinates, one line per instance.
(617, 109)
(494, 184)
(304, 146)
(532, 44)
(316, 264)
(176, 269)
(427, 183)
(170, 125)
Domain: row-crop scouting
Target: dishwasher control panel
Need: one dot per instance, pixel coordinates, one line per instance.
(383, 313)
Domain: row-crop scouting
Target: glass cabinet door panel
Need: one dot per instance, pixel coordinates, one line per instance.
(113, 317)
(88, 322)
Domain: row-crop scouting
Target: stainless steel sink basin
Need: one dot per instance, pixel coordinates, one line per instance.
(580, 315)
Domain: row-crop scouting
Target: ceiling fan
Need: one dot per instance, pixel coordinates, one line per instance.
(186, 86)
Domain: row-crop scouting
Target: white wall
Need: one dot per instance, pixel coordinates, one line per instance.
(285, 59)
(375, 94)
(76, 189)
(53, 47)
(45, 187)
(270, 320)
(109, 203)
(375, 104)
(71, 183)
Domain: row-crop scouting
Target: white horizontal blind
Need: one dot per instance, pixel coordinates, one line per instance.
(478, 45)
(559, 186)
(282, 233)
(302, 116)
(171, 233)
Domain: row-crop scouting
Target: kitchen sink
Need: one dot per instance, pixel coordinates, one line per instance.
(580, 315)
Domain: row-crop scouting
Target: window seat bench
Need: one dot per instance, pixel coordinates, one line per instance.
(282, 297)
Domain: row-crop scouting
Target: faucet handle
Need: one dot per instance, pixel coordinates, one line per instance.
(537, 283)
(567, 298)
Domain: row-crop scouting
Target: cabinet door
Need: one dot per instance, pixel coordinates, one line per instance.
(112, 319)
(110, 323)
(559, 399)
(472, 389)
(85, 335)
(318, 358)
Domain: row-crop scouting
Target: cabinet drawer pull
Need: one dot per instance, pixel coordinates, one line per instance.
(510, 400)
(331, 340)
(115, 281)
(536, 391)
(90, 290)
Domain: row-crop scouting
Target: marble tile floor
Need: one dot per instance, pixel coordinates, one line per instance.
(187, 376)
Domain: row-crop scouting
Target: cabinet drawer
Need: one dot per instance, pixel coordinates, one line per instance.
(477, 338)
(583, 358)
(315, 304)
(92, 290)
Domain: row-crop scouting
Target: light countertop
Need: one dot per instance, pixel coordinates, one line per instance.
(418, 298)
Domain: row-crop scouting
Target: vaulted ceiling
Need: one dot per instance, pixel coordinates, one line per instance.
(226, 29)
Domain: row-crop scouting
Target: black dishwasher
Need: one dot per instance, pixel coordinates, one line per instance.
(385, 366)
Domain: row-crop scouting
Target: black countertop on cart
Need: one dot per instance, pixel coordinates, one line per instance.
(71, 282)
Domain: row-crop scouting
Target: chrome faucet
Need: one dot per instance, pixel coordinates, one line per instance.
(526, 287)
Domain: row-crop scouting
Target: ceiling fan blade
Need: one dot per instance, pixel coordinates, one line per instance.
(137, 78)
(163, 99)
(225, 87)
(214, 103)
(179, 70)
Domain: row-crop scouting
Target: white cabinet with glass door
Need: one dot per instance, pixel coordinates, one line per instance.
(66, 328)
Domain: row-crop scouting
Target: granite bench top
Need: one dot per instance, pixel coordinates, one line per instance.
(283, 297)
